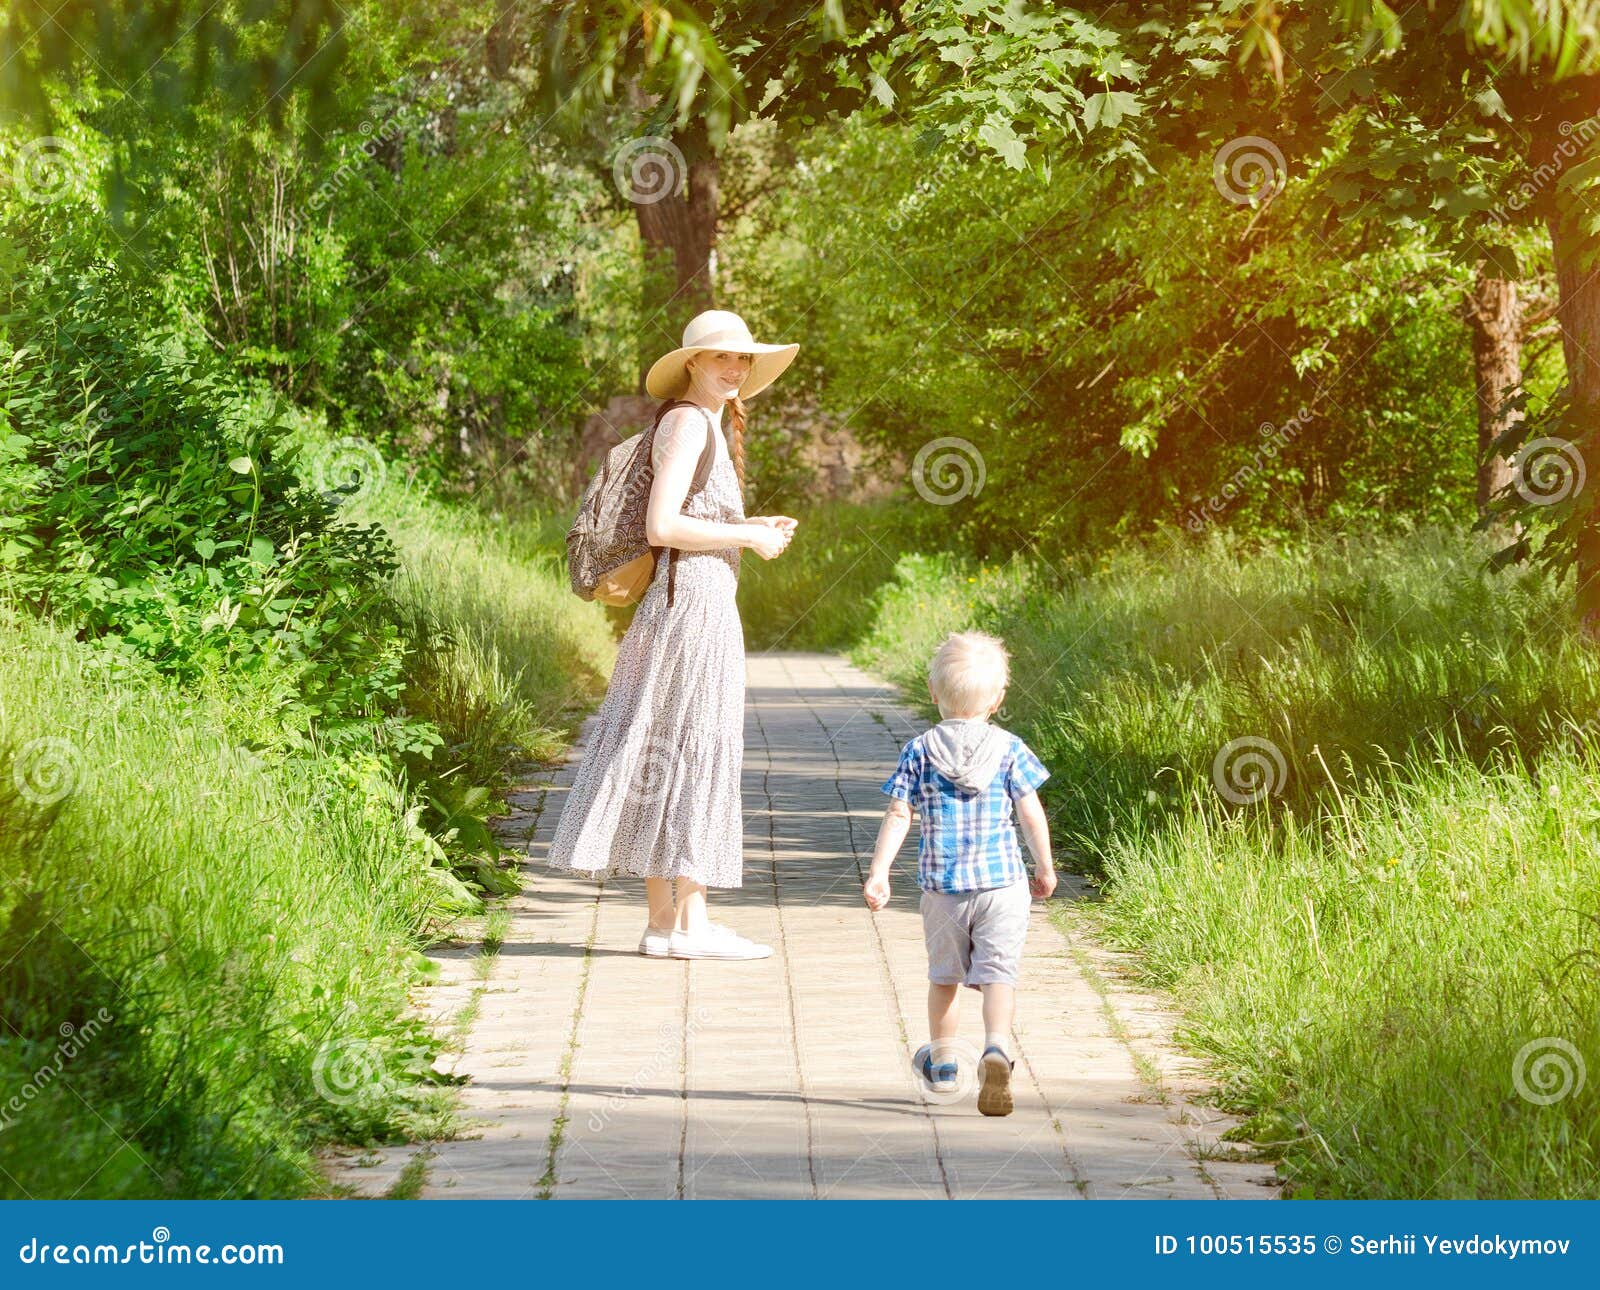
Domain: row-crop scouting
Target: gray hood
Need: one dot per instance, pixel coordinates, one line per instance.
(967, 750)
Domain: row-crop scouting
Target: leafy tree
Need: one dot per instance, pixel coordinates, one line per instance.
(682, 81)
(171, 55)
(1118, 361)
(1463, 120)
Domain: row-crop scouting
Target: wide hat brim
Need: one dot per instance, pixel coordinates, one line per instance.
(667, 378)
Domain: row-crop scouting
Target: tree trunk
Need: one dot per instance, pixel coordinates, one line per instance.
(1559, 122)
(1578, 311)
(1494, 313)
(678, 236)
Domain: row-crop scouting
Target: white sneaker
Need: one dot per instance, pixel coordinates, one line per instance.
(715, 941)
(655, 942)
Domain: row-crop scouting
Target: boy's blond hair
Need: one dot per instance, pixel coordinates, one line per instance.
(968, 673)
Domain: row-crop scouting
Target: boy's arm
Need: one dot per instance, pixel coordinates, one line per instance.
(891, 833)
(1036, 833)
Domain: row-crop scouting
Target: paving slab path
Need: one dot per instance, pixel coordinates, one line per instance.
(594, 1072)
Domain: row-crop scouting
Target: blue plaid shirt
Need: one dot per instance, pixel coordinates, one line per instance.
(969, 839)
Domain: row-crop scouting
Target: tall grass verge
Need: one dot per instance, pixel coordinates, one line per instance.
(210, 913)
(204, 953)
(1340, 794)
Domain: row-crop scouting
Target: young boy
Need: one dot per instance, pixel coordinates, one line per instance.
(964, 776)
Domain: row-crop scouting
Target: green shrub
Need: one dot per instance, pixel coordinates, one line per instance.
(154, 510)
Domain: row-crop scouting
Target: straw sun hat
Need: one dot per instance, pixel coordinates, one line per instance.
(717, 329)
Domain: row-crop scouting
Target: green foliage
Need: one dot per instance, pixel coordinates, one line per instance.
(176, 51)
(709, 68)
(811, 598)
(153, 511)
(1112, 359)
(414, 275)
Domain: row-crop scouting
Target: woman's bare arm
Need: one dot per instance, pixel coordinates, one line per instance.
(681, 438)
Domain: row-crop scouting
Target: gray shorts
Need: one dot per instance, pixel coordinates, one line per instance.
(975, 937)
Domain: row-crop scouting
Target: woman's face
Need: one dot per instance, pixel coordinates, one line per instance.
(720, 373)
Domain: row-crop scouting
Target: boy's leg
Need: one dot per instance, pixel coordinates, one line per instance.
(944, 929)
(944, 1019)
(998, 933)
(999, 1008)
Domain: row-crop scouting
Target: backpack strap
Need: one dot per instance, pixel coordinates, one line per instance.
(702, 473)
(708, 454)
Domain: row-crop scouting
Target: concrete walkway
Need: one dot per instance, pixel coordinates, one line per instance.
(594, 1072)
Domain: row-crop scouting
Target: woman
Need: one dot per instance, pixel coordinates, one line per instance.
(657, 793)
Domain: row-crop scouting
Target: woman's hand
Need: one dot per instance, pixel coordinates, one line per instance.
(768, 539)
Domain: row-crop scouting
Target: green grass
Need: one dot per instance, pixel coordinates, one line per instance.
(812, 596)
(1372, 982)
(1387, 952)
(207, 942)
(506, 658)
(205, 954)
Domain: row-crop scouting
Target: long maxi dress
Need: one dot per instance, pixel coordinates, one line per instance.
(657, 793)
